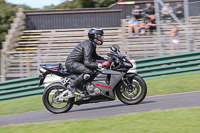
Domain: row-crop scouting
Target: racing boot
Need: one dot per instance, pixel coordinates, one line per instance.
(75, 90)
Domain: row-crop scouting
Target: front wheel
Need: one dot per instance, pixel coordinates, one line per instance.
(133, 95)
(51, 102)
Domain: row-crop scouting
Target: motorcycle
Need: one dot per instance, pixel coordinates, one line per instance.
(104, 85)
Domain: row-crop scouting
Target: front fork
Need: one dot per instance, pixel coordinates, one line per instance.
(127, 84)
(126, 81)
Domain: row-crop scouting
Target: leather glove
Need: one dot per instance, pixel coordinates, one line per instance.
(106, 64)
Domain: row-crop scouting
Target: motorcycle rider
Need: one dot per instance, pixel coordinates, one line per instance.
(82, 59)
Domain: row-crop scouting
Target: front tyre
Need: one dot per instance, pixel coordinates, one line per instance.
(134, 95)
(52, 103)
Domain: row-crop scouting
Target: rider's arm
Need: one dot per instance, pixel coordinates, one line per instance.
(88, 60)
(97, 57)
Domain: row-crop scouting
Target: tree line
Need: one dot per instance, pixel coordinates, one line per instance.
(7, 14)
(82, 4)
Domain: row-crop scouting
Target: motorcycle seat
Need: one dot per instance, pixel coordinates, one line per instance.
(65, 73)
(59, 70)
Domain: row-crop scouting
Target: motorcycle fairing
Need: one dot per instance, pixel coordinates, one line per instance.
(107, 87)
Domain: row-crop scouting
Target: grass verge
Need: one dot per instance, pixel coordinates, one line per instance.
(20, 105)
(183, 120)
(177, 84)
(184, 83)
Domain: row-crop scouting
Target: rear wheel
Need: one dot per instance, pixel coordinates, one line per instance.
(134, 95)
(51, 102)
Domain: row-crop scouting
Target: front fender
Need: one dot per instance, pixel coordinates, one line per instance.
(131, 74)
(126, 81)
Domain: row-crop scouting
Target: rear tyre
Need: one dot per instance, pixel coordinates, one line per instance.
(135, 95)
(50, 101)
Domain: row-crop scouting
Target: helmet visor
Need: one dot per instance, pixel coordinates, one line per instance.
(99, 37)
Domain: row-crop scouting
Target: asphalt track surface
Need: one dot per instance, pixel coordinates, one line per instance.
(163, 102)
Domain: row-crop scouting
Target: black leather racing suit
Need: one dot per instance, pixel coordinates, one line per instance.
(82, 60)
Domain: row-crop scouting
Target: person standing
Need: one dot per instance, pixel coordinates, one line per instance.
(179, 11)
(174, 35)
(138, 12)
(149, 11)
(166, 10)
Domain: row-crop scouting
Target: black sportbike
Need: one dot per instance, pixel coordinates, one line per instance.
(102, 86)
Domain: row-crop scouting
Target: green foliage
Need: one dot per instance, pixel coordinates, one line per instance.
(104, 3)
(82, 4)
(7, 14)
(52, 6)
(70, 5)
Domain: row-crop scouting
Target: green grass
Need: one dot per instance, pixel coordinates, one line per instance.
(20, 105)
(178, 84)
(184, 120)
(184, 83)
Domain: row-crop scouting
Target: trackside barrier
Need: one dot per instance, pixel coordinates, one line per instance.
(170, 64)
(147, 67)
(20, 88)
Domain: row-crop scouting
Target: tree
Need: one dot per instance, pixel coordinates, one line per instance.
(49, 7)
(105, 3)
(82, 4)
(7, 14)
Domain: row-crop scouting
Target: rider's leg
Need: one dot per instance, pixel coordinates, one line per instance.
(84, 72)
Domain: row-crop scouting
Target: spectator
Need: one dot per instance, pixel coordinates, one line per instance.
(174, 34)
(138, 12)
(152, 24)
(133, 26)
(142, 27)
(149, 11)
(166, 10)
(174, 31)
(179, 11)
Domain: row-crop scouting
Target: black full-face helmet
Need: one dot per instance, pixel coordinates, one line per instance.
(96, 35)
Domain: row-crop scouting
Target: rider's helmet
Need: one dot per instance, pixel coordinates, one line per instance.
(96, 35)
